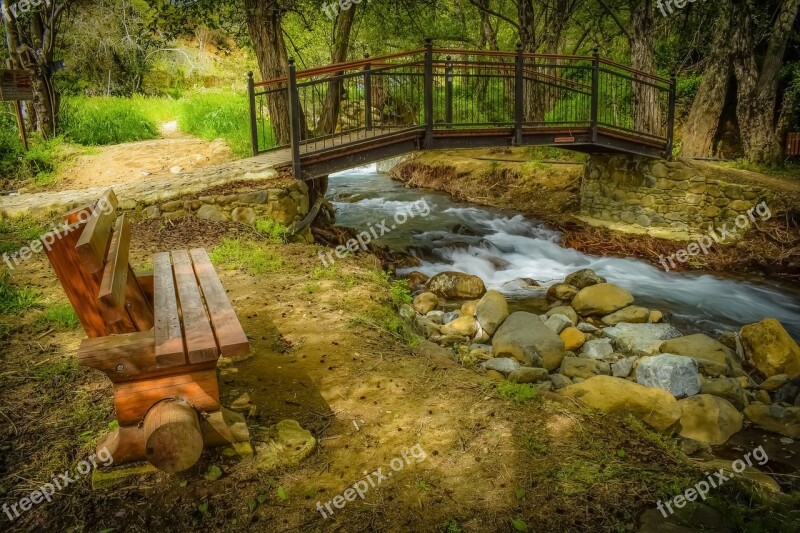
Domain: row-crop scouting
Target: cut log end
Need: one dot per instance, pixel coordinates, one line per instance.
(173, 440)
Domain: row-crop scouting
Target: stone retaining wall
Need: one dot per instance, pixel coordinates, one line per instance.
(657, 193)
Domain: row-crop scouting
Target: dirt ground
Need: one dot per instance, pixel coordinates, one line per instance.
(322, 355)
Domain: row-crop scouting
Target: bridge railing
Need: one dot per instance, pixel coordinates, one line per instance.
(430, 89)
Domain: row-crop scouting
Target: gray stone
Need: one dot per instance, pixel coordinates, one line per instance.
(557, 323)
(583, 278)
(244, 215)
(673, 373)
(597, 349)
(714, 358)
(623, 367)
(526, 338)
(436, 316)
(565, 310)
(586, 327)
(560, 381)
(527, 374)
(450, 316)
(644, 338)
(577, 367)
(504, 365)
(491, 311)
(213, 213)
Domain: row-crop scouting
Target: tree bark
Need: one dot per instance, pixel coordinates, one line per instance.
(336, 89)
(700, 130)
(758, 89)
(647, 116)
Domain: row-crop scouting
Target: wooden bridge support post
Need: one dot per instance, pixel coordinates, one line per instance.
(671, 116)
(519, 94)
(294, 119)
(448, 93)
(367, 95)
(428, 142)
(595, 92)
(251, 93)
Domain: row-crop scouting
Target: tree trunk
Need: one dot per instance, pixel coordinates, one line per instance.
(336, 89)
(647, 116)
(700, 130)
(758, 90)
(264, 23)
(488, 38)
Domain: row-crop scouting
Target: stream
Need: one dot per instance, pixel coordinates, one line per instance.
(501, 246)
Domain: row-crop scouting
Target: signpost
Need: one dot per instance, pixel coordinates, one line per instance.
(16, 86)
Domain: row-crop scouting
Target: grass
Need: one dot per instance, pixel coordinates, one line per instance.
(246, 254)
(517, 392)
(218, 115)
(17, 300)
(271, 229)
(18, 232)
(60, 315)
(108, 120)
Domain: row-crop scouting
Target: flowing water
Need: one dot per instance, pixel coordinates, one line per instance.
(501, 246)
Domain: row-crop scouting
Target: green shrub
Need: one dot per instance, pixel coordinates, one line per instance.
(10, 145)
(218, 115)
(106, 120)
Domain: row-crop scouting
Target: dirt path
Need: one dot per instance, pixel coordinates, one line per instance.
(170, 155)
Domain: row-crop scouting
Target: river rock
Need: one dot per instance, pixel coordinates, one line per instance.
(456, 285)
(416, 281)
(565, 310)
(708, 419)
(713, 357)
(587, 328)
(673, 373)
(776, 418)
(578, 367)
(557, 323)
(494, 375)
(524, 337)
(425, 303)
(463, 325)
(601, 299)
(425, 326)
(770, 349)
(560, 381)
(561, 292)
(655, 316)
(491, 311)
(436, 317)
(527, 374)
(450, 316)
(521, 284)
(789, 392)
(655, 407)
(633, 314)
(623, 367)
(597, 349)
(573, 338)
(584, 278)
(727, 388)
(468, 308)
(210, 212)
(640, 338)
(504, 365)
(774, 382)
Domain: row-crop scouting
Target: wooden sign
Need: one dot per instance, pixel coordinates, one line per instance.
(15, 85)
(564, 140)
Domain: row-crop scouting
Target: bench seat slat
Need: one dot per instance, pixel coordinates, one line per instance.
(230, 336)
(168, 334)
(197, 332)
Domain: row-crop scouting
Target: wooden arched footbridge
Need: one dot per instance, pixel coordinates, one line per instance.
(339, 116)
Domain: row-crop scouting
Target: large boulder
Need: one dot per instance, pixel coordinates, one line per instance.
(578, 367)
(525, 337)
(770, 348)
(601, 299)
(643, 339)
(713, 357)
(655, 407)
(491, 311)
(727, 388)
(425, 303)
(708, 419)
(775, 417)
(456, 285)
(673, 373)
(633, 314)
(584, 278)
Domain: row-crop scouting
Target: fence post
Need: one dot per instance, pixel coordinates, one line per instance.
(519, 95)
(367, 95)
(251, 92)
(294, 119)
(448, 93)
(595, 92)
(671, 116)
(428, 142)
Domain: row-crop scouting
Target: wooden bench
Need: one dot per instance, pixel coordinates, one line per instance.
(157, 337)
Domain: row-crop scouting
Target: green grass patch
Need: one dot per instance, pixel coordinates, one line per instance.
(60, 315)
(218, 115)
(312, 287)
(246, 254)
(517, 392)
(18, 232)
(17, 300)
(271, 229)
(107, 120)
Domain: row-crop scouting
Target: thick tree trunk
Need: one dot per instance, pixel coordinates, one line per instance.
(264, 23)
(336, 89)
(488, 38)
(647, 115)
(703, 123)
(758, 89)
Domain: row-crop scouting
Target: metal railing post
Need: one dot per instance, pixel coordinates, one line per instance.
(294, 119)
(595, 92)
(428, 89)
(251, 92)
(519, 95)
(448, 93)
(671, 115)
(367, 95)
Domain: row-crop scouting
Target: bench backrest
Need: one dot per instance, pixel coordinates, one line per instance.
(90, 258)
